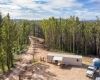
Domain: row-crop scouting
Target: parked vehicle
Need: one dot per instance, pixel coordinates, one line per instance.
(96, 62)
(90, 71)
(97, 78)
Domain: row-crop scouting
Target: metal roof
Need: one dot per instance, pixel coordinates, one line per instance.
(64, 55)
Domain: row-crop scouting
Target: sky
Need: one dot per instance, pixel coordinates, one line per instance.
(40, 9)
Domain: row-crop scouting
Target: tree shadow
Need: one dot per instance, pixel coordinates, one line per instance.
(38, 69)
(85, 66)
(66, 67)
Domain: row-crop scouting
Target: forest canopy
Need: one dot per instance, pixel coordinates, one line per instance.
(71, 35)
(13, 40)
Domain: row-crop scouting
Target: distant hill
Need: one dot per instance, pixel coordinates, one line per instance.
(17, 20)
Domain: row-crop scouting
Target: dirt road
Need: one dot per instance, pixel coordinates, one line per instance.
(25, 60)
(26, 70)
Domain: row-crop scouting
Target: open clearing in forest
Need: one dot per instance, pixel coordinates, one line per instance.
(40, 70)
(68, 73)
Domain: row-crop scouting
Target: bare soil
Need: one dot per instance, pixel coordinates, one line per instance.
(69, 72)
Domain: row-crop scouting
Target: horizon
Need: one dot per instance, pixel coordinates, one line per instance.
(43, 9)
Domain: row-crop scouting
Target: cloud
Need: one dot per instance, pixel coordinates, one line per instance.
(4, 1)
(38, 9)
(9, 6)
(22, 1)
(65, 3)
(86, 14)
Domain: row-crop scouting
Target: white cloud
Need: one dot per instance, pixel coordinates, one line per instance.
(65, 3)
(25, 3)
(12, 12)
(30, 9)
(49, 5)
(86, 14)
(4, 1)
(22, 1)
(9, 6)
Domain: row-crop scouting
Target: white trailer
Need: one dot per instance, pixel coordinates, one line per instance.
(65, 59)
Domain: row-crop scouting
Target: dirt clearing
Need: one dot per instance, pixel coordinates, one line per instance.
(41, 70)
(68, 73)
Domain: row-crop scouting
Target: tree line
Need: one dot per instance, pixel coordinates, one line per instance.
(13, 40)
(71, 35)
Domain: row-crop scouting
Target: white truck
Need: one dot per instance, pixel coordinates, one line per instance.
(97, 78)
(90, 71)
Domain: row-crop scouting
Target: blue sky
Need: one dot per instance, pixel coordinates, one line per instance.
(39, 9)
